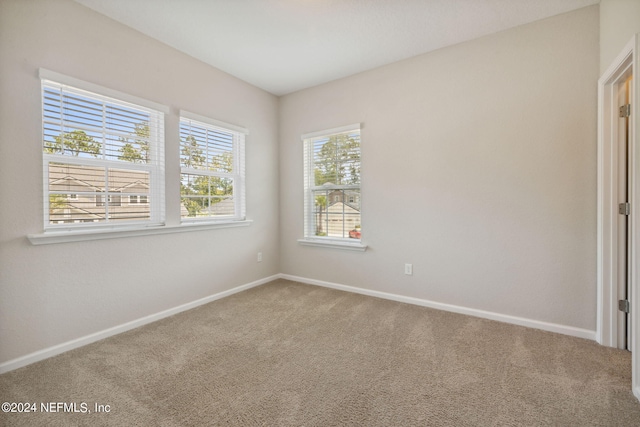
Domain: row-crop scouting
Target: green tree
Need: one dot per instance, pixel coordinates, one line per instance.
(321, 203)
(222, 162)
(208, 189)
(193, 206)
(57, 202)
(197, 187)
(222, 186)
(191, 155)
(73, 143)
(138, 151)
(338, 161)
(131, 154)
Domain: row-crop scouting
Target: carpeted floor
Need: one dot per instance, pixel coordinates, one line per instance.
(289, 354)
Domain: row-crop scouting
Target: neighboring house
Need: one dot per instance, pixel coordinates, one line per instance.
(338, 220)
(222, 208)
(78, 194)
(345, 196)
(341, 215)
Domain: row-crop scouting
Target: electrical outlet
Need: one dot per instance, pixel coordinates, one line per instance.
(259, 256)
(408, 269)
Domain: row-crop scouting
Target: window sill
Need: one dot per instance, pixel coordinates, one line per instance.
(333, 244)
(52, 237)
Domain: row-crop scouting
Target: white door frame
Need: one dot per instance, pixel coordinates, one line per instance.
(606, 329)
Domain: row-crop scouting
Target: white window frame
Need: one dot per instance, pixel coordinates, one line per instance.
(238, 170)
(155, 167)
(310, 239)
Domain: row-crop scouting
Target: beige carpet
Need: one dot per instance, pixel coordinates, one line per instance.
(289, 354)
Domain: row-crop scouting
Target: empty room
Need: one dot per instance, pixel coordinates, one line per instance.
(319, 212)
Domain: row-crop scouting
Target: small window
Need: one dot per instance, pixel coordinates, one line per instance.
(115, 200)
(332, 177)
(95, 145)
(212, 169)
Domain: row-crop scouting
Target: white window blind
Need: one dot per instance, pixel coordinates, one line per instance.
(103, 151)
(332, 184)
(212, 186)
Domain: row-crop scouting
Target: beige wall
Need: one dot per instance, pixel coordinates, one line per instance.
(479, 168)
(619, 21)
(55, 293)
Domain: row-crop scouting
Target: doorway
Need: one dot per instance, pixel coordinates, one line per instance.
(618, 249)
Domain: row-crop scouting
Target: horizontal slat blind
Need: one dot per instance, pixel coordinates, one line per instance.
(332, 185)
(212, 166)
(103, 159)
(204, 147)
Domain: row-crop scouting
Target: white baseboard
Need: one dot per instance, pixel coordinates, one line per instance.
(520, 321)
(88, 339)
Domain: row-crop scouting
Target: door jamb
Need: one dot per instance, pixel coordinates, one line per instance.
(606, 328)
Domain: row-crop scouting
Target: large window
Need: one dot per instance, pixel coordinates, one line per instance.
(332, 184)
(98, 146)
(212, 169)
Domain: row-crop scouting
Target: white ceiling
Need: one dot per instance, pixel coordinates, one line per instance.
(283, 46)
